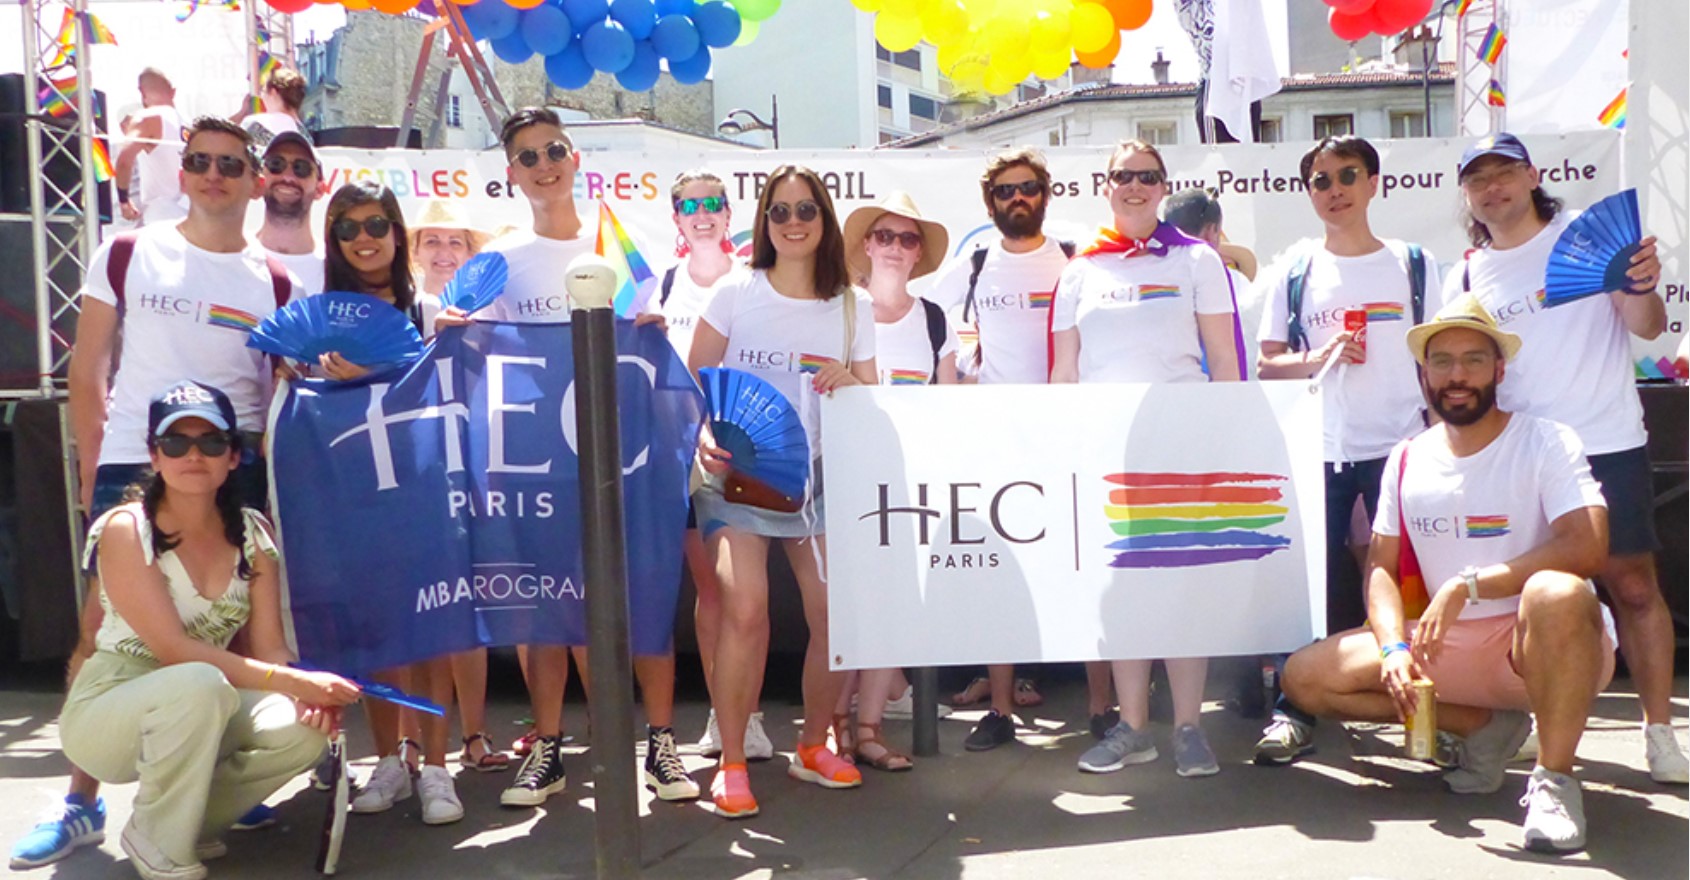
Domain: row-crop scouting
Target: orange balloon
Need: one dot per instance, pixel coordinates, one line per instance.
(524, 4)
(1103, 57)
(356, 5)
(393, 7)
(1129, 15)
(464, 2)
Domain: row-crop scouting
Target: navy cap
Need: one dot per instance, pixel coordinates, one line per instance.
(295, 139)
(190, 400)
(1504, 144)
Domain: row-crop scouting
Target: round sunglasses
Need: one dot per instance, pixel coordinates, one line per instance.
(557, 151)
(227, 165)
(780, 212)
(708, 204)
(177, 445)
(302, 168)
(1124, 176)
(347, 229)
(1003, 192)
(1346, 176)
(909, 241)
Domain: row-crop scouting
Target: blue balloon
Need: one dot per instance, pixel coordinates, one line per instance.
(692, 70)
(676, 7)
(675, 37)
(569, 69)
(638, 16)
(585, 13)
(607, 46)
(546, 29)
(717, 23)
(499, 20)
(512, 49)
(641, 73)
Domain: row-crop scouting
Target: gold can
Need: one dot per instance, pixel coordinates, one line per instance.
(1422, 724)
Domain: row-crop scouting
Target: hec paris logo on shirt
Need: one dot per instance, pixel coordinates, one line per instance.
(1007, 302)
(1516, 309)
(539, 306)
(1475, 527)
(166, 306)
(767, 359)
(1376, 312)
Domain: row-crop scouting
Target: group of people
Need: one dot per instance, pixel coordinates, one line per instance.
(171, 446)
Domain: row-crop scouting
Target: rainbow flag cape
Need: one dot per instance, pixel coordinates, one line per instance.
(636, 282)
(103, 170)
(1613, 115)
(1490, 51)
(1494, 96)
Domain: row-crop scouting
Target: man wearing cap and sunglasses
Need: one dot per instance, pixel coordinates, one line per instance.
(293, 182)
(1501, 513)
(1577, 370)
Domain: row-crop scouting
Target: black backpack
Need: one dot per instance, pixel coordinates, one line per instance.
(978, 259)
(1299, 279)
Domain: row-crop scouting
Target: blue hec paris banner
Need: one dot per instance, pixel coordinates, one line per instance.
(437, 509)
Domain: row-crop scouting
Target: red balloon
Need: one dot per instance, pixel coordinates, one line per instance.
(290, 7)
(1396, 16)
(1351, 7)
(1350, 28)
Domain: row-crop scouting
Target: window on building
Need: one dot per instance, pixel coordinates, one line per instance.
(886, 96)
(880, 53)
(1273, 131)
(1159, 133)
(1056, 138)
(1334, 125)
(910, 59)
(1029, 91)
(923, 107)
(454, 112)
(1408, 124)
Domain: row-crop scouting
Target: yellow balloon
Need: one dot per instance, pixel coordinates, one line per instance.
(898, 33)
(747, 32)
(1050, 65)
(943, 22)
(1092, 26)
(904, 8)
(1050, 33)
(981, 10)
(1005, 38)
(1000, 83)
(867, 5)
(969, 74)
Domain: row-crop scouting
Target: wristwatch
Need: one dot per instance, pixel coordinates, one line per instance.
(1470, 575)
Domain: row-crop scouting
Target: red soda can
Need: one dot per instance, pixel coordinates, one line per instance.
(1355, 321)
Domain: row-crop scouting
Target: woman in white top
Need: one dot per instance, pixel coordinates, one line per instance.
(442, 240)
(795, 322)
(1146, 303)
(207, 733)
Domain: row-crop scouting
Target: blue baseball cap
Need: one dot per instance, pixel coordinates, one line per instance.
(1503, 144)
(189, 400)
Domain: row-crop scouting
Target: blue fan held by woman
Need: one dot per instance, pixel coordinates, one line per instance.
(1594, 251)
(761, 431)
(363, 329)
(477, 284)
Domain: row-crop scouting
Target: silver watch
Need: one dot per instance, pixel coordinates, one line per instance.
(1470, 575)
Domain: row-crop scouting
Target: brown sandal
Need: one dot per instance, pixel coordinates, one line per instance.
(844, 742)
(490, 761)
(888, 760)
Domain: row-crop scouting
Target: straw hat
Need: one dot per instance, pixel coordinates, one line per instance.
(441, 214)
(1464, 312)
(935, 241)
(1239, 256)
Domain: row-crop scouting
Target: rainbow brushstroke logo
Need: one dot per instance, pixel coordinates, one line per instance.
(810, 363)
(1542, 298)
(1174, 520)
(1148, 292)
(1486, 526)
(231, 319)
(1383, 312)
(906, 377)
(1039, 300)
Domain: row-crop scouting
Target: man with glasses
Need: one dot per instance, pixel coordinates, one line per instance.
(293, 182)
(1577, 370)
(1502, 514)
(1376, 288)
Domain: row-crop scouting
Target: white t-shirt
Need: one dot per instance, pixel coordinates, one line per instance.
(781, 340)
(187, 314)
(306, 269)
(1250, 307)
(1488, 507)
(1011, 308)
(687, 299)
(265, 126)
(535, 291)
(1137, 316)
(160, 197)
(1371, 406)
(903, 351)
(1574, 364)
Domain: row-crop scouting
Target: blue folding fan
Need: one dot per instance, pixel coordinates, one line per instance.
(1594, 251)
(362, 328)
(756, 424)
(477, 283)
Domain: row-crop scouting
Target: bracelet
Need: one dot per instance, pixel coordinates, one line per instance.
(269, 672)
(1392, 648)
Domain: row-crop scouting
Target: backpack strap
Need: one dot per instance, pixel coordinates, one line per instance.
(1466, 276)
(668, 286)
(1067, 248)
(280, 286)
(1295, 282)
(117, 265)
(1417, 281)
(978, 259)
(935, 333)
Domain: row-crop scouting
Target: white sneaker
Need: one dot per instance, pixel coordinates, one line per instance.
(903, 707)
(710, 744)
(1554, 812)
(388, 785)
(151, 862)
(757, 745)
(440, 804)
(1666, 760)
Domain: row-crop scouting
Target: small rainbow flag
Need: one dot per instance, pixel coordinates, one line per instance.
(1386, 311)
(1613, 115)
(254, 104)
(1494, 95)
(1490, 51)
(95, 32)
(1040, 300)
(636, 282)
(267, 64)
(65, 40)
(810, 363)
(1157, 291)
(193, 6)
(1487, 526)
(103, 170)
(1180, 520)
(906, 377)
(56, 98)
(1462, 9)
(231, 319)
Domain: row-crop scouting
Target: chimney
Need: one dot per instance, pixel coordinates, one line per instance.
(1159, 68)
(1079, 73)
(1417, 50)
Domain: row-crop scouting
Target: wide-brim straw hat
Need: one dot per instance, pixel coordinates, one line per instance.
(1465, 312)
(935, 241)
(441, 214)
(1241, 257)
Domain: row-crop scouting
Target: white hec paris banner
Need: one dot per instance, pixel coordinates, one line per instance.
(1009, 524)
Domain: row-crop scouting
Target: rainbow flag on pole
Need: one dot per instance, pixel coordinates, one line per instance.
(1494, 96)
(103, 170)
(1490, 51)
(1462, 9)
(94, 31)
(55, 99)
(635, 278)
(1613, 115)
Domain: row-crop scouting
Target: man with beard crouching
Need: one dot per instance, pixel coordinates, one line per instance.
(1506, 522)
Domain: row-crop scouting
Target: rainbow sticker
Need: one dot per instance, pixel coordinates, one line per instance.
(231, 319)
(1039, 300)
(1148, 292)
(1175, 520)
(1487, 526)
(1383, 312)
(906, 377)
(810, 363)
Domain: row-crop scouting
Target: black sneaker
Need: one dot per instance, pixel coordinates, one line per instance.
(1103, 721)
(664, 772)
(540, 776)
(993, 730)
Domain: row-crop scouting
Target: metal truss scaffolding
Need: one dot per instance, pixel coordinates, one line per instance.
(1475, 115)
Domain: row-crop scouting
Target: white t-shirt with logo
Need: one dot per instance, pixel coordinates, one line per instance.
(160, 197)
(686, 303)
(782, 340)
(1011, 308)
(187, 315)
(903, 350)
(1137, 316)
(535, 291)
(306, 269)
(1371, 406)
(1575, 363)
(1488, 507)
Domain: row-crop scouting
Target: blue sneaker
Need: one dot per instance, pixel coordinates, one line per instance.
(55, 838)
(261, 816)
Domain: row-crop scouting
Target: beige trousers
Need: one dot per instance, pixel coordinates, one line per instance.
(203, 752)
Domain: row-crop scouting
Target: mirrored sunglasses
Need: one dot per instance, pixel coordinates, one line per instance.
(708, 204)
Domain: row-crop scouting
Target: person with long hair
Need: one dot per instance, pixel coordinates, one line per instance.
(1147, 303)
(206, 732)
(797, 298)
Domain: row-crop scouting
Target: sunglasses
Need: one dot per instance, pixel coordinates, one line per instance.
(1346, 176)
(346, 229)
(781, 212)
(1123, 176)
(708, 204)
(1003, 192)
(227, 166)
(557, 151)
(302, 168)
(909, 241)
(177, 445)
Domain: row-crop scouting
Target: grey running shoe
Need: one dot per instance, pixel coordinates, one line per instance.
(1554, 812)
(1485, 754)
(1119, 747)
(1192, 755)
(1285, 740)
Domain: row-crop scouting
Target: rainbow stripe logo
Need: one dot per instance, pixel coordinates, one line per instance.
(1147, 292)
(1542, 298)
(1487, 526)
(810, 363)
(1613, 115)
(1173, 520)
(231, 319)
(1039, 300)
(1383, 312)
(906, 377)
(1490, 51)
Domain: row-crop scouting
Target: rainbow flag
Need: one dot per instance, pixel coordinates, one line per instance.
(1462, 9)
(56, 98)
(635, 281)
(1157, 291)
(267, 64)
(1494, 95)
(906, 377)
(254, 104)
(65, 40)
(810, 363)
(1487, 526)
(95, 32)
(193, 6)
(1386, 311)
(1040, 300)
(1491, 49)
(1179, 520)
(231, 319)
(1613, 115)
(103, 170)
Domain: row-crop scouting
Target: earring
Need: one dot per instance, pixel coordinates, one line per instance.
(681, 246)
(727, 246)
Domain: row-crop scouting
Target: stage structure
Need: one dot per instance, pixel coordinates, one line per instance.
(1476, 114)
(461, 47)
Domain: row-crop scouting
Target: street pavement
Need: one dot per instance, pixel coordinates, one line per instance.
(1353, 810)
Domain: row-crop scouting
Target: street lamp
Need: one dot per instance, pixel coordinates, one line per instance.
(740, 121)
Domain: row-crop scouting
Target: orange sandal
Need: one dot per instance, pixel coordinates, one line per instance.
(730, 792)
(887, 760)
(818, 765)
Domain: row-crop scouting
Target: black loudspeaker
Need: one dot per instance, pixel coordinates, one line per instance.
(16, 175)
(38, 618)
(19, 353)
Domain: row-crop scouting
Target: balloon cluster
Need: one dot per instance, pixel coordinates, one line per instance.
(1352, 20)
(991, 45)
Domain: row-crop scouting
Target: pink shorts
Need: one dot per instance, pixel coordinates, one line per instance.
(1476, 667)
